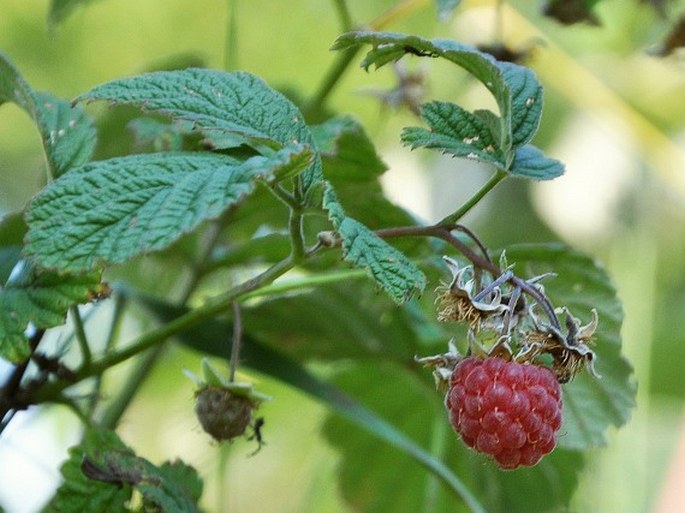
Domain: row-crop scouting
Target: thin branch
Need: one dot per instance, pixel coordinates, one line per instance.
(112, 337)
(81, 337)
(456, 216)
(236, 340)
(344, 14)
(8, 393)
(213, 307)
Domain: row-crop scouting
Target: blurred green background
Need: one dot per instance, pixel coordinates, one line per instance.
(614, 114)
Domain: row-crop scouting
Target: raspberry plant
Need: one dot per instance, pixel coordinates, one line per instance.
(243, 179)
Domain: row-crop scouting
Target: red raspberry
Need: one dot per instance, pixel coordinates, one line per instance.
(509, 410)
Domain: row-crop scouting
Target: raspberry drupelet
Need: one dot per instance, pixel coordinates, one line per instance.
(510, 411)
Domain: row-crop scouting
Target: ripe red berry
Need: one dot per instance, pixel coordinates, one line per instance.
(510, 411)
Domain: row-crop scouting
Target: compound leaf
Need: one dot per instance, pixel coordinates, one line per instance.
(238, 103)
(591, 404)
(68, 135)
(455, 131)
(42, 298)
(107, 212)
(530, 162)
(515, 88)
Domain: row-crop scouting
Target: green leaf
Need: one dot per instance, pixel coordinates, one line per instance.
(171, 487)
(445, 8)
(13, 87)
(110, 211)
(235, 103)
(78, 493)
(60, 9)
(102, 471)
(209, 338)
(68, 135)
(389, 47)
(530, 162)
(346, 150)
(591, 404)
(41, 298)
(526, 102)
(389, 267)
(455, 131)
(515, 88)
(184, 477)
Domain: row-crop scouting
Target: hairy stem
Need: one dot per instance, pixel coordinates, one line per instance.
(456, 216)
(444, 232)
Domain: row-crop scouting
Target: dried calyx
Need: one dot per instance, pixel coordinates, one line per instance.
(513, 319)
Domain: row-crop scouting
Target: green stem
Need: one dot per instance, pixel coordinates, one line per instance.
(285, 196)
(80, 333)
(296, 235)
(342, 62)
(112, 337)
(231, 41)
(343, 14)
(148, 340)
(456, 216)
(331, 79)
(308, 282)
(236, 340)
